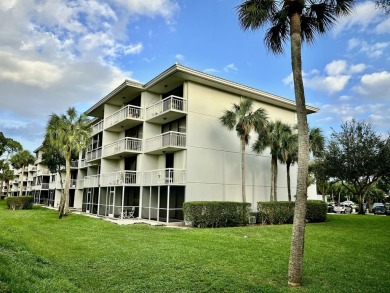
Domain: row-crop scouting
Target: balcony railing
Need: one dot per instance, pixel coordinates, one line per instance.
(165, 140)
(168, 176)
(171, 103)
(83, 163)
(121, 178)
(94, 154)
(128, 112)
(97, 127)
(91, 181)
(123, 145)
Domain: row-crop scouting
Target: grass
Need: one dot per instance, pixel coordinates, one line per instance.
(39, 253)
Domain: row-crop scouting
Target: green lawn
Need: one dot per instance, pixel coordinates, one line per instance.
(39, 253)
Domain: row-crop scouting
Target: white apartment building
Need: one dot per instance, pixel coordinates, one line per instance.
(156, 145)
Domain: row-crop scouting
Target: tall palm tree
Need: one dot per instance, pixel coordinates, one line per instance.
(290, 157)
(244, 120)
(19, 161)
(274, 138)
(68, 133)
(299, 21)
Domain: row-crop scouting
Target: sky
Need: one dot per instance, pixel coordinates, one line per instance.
(55, 54)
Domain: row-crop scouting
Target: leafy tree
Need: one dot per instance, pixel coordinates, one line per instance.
(299, 21)
(321, 178)
(243, 120)
(68, 133)
(6, 174)
(358, 157)
(275, 138)
(8, 146)
(19, 161)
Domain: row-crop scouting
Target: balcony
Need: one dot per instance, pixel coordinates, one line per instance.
(124, 118)
(123, 148)
(168, 176)
(42, 186)
(91, 181)
(94, 155)
(83, 163)
(74, 164)
(121, 178)
(167, 110)
(166, 142)
(97, 127)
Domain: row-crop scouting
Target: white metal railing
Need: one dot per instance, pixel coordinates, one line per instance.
(97, 127)
(45, 186)
(83, 163)
(94, 154)
(168, 104)
(43, 172)
(167, 139)
(91, 181)
(131, 112)
(124, 144)
(121, 178)
(164, 177)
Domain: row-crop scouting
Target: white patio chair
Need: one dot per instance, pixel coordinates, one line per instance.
(131, 213)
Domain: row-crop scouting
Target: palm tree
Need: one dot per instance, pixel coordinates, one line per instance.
(316, 142)
(243, 120)
(299, 21)
(69, 133)
(274, 138)
(19, 161)
(290, 157)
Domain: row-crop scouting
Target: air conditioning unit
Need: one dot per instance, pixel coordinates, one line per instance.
(252, 219)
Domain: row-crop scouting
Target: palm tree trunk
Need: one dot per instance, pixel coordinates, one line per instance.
(64, 203)
(243, 171)
(288, 181)
(298, 231)
(274, 178)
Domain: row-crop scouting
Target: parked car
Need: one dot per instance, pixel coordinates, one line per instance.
(379, 210)
(377, 204)
(330, 208)
(342, 208)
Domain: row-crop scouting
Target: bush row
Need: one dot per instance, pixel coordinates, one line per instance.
(282, 212)
(19, 202)
(214, 214)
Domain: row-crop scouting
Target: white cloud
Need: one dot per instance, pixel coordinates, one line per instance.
(383, 27)
(330, 84)
(336, 67)
(337, 75)
(364, 14)
(230, 67)
(179, 57)
(375, 86)
(58, 53)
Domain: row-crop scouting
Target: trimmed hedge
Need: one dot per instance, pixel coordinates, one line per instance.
(282, 212)
(215, 214)
(19, 202)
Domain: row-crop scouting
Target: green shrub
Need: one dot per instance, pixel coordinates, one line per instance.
(275, 212)
(282, 212)
(214, 214)
(316, 211)
(19, 202)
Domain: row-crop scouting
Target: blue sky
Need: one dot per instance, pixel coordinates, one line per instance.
(56, 53)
